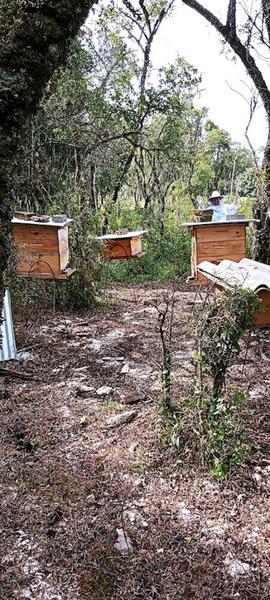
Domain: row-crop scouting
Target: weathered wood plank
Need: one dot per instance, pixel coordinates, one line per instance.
(220, 233)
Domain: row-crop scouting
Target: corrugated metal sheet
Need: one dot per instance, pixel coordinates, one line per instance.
(248, 274)
(7, 340)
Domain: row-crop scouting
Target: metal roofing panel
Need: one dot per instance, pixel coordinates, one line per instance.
(7, 341)
(248, 274)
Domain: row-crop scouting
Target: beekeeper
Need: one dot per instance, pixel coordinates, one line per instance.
(220, 209)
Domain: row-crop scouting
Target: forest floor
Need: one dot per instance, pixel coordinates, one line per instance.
(94, 508)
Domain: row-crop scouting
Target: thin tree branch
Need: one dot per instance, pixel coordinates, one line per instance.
(231, 16)
(239, 48)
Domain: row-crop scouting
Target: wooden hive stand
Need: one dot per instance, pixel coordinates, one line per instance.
(123, 246)
(216, 241)
(42, 249)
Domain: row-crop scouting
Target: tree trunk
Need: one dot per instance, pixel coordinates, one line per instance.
(93, 188)
(35, 38)
(228, 30)
(162, 217)
(261, 248)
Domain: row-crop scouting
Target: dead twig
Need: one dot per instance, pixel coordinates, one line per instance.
(16, 374)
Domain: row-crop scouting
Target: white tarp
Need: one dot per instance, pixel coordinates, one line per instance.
(7, 339)
(248, 274)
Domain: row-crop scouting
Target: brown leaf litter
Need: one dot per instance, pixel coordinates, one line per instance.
(96, 512)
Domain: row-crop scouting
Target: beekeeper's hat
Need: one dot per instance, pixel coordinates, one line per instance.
(215, 194)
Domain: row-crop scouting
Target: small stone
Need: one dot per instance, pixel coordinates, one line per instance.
(113, 358)
(125, 369)
(24, 355)
(132, 397)
(240, 497)
(31, 566)
(96, 344)
(65, 411)
(91, 499)
(184, 512)
(235, 567)
(123, 543)
(131, 515)
(140, 502)
(258, 478)
(121, 418)
(133, 447)
(136, 355)
(85, 388)
(84, 420)
(104, 391)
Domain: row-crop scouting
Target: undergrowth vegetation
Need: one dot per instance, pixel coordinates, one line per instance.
(209, 421)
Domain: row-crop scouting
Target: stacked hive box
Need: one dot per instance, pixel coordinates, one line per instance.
(119, 246)
(42, 249)
(216, 241)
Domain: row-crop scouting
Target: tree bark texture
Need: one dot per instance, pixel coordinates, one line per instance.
(261, 247)
(34, 40)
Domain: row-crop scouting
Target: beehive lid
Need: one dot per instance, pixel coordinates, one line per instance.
(217, 223)
(122, 236)
(49, 223)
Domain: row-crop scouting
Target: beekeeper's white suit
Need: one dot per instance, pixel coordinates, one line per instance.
(220, 209)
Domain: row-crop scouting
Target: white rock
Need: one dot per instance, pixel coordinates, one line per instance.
(65, 411)
(254, 393)
(140, 502)
(104, 391)
(123, 543)
(116, 333)
(257, 477)
(121, 418)
(96, 344)
(234, 511)
(184, 511)
(85, 388)
(133, 516)
(31, 566)
(235, 567)
(73, 383)
(133, 447)
(21, 355)
(125, 369)
(240, 497)
(113, 358)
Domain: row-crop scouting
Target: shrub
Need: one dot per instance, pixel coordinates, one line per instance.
(210, 419)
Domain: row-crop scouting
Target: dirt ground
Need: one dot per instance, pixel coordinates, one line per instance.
(92, 509)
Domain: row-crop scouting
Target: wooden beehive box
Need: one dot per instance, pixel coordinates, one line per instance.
(42, 249)
(262, 317)
(216, 241)
(121, 246)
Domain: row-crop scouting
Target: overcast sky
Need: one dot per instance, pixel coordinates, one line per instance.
(186, 33)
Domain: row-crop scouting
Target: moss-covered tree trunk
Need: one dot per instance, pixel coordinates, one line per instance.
(34, 40)
(261, 247)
